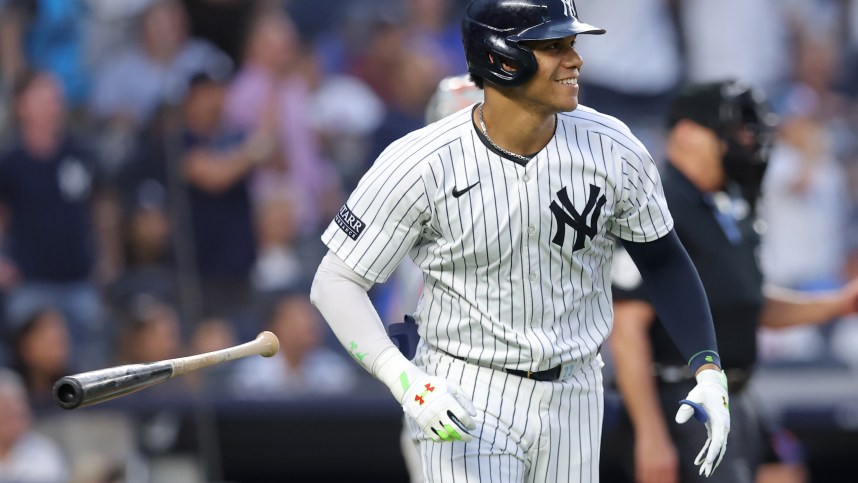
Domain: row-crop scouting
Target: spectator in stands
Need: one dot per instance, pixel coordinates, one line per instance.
(278, 266)
(46, 35)
(415, 76)
(109, 27)
(60, 223)
(151, 333)
(25, 456)
(760, 50)
(807, 195)
(806, 200)
(132, 85)
(41, 354)
(270, 89)
(217, 163)
(146, 236)
(374, 65)
(147, 188)
(345, 114)
(432, 21)
(303, 366)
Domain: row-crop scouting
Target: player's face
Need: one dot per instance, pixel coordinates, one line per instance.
(555, 84)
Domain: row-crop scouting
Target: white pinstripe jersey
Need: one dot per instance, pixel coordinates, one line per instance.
(516, 259)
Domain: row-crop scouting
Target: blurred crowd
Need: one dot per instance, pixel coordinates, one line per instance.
(167, 167)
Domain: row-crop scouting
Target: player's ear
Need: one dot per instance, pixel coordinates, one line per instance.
(504, 65)
(508, 67)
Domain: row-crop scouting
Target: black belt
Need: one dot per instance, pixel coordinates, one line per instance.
(547, 375)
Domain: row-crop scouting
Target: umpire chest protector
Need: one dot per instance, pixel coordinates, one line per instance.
(493, 32)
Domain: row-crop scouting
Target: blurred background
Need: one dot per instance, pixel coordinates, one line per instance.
(198, 148)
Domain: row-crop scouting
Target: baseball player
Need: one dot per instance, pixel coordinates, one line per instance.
(512, 208)
(717, 153)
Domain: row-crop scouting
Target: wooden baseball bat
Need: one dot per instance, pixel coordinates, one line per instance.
(88, 388)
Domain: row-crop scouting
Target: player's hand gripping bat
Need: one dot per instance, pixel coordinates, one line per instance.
(88, 388)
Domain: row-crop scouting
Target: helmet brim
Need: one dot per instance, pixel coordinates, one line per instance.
(556, 29)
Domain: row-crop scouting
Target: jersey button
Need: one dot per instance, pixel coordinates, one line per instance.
(533, 277)
(525, 178)
(531, 230)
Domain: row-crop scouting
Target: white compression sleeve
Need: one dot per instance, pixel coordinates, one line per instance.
(340, 295)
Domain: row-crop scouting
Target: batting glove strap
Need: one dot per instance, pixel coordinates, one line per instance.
(440, 408)
(710, 394)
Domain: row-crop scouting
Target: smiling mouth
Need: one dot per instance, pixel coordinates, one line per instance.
(572, 81)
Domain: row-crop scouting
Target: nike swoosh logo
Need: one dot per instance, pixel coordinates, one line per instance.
(458, 193)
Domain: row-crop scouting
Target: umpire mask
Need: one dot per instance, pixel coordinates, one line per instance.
(740, 117)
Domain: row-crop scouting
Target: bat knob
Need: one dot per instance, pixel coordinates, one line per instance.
(270, 343)
(68, 393)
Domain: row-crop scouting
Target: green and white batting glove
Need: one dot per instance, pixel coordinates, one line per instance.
(439, 407)
(709, 403)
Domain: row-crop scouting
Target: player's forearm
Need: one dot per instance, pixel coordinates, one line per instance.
(633, 360)
(678, 296)
(217, 172)
(786, 308)
(340, 295)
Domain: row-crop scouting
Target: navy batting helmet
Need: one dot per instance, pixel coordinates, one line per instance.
(492, 32)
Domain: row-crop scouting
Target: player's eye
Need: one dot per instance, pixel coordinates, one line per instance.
(546, 45)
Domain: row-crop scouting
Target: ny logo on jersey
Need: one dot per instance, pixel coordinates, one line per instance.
(569, 8)
(568, 215)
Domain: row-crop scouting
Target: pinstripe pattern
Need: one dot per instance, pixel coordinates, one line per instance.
(527, 431)
(497, 291)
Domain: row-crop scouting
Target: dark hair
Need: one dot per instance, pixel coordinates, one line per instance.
(26, 326)
(477, 80)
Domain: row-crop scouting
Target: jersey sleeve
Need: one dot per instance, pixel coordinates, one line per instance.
(382, 219)
(641, 214)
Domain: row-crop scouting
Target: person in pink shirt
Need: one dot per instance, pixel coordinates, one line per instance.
(269, 88)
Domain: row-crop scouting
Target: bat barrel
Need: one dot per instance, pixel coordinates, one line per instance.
(88, 388)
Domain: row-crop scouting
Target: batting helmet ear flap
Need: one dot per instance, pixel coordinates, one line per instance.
(507, 65)
(499, 51)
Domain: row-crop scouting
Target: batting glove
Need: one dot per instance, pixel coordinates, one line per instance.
(439, 407)
(709, 403)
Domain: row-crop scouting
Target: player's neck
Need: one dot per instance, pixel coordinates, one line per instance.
(513, 127)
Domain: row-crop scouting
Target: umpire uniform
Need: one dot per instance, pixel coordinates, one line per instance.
(718, 233)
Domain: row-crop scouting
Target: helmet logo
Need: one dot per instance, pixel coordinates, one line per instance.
(569, 8)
